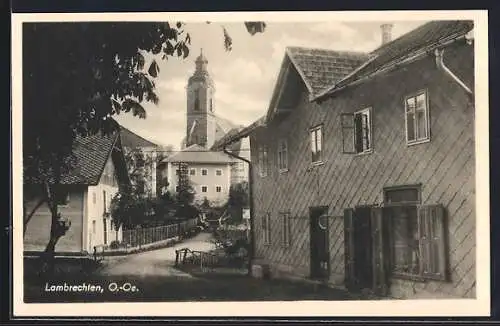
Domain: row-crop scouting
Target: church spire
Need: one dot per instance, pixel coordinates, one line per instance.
(201, 62)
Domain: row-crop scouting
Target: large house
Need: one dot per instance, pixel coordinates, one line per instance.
(364, 166)
(88, 188)
(209, 173)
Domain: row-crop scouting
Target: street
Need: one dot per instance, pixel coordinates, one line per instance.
(151, 277)
(153, 263)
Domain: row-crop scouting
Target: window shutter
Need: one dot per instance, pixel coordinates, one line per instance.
(379, 250)
(350, 277)
(348, 135)
(358, 132)
(433, 255)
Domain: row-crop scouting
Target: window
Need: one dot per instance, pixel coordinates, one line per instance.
(204, 172)
(316, 144)
(211, 105)
(62, 197)
(177, 172)
(283, 155)
(263, 161)
(104, 202)
(218, 189)
(203, 188)
(218, 172)
(192, 172)
(285, 233)
(177, 188)
(266, 228)
(197, 100)
(105, 232)
(357, 132)
(417, 118)
(417, 234)
(93, 227)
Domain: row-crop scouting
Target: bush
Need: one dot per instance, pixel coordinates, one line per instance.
(115, 244)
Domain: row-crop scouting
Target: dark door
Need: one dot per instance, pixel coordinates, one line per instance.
(365, 249)
(320, 253)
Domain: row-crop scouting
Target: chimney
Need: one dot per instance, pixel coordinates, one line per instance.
(386, 33)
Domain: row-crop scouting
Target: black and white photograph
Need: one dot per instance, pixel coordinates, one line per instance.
(261, 164)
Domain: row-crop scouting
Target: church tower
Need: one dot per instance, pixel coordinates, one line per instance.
(200, 128)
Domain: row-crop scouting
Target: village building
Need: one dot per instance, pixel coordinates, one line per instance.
(85, 197)
(209, 173)
(364, 166)
(141, 156)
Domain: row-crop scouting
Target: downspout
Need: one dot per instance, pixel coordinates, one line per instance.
(440, 64)
(250, 195)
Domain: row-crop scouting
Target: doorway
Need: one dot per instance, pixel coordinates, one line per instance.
(365, 249)
(320, 252)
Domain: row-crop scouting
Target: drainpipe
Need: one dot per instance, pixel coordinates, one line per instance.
(250, 195)
(440, 64)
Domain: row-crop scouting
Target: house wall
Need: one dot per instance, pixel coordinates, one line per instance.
(38, 229)
(239, 170)
(95, 212)
(445, 166)
(211, 180)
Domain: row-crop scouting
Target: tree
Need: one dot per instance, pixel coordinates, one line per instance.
(239, 198)
(76, 76)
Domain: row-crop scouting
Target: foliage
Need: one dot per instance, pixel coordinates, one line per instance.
(239, 195)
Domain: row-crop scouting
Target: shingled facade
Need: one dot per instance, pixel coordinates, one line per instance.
(364, 172)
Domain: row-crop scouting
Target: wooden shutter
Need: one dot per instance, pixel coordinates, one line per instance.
(350, 277)
(358, 132)
(380, 255)
(433, 249)
(348, 133)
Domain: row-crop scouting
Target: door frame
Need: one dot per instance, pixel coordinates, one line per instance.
(314, 213)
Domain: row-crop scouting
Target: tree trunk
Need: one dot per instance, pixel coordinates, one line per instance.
(55, 230)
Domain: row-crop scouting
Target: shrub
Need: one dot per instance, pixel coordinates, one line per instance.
(115, 244)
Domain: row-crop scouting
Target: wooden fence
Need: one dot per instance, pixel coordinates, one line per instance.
(144, 236)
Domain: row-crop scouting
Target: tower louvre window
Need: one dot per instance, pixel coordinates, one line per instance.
(197, 100)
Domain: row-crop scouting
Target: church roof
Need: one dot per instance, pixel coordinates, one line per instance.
(198, 154)
(133, 140)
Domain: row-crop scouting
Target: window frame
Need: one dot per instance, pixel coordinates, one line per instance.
(220, 187)
(443, 264)
(416, 140)
(368, 112)
(314, 130)
(217, 171)
(348, 123)
(266, 228)
(263, 160)
(204, 172)
(282, 153)
(206, 189)
(286, 230)
(192, 170)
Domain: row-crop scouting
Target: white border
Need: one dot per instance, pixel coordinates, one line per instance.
(461, 307)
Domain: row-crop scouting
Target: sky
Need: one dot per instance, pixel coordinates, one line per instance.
(244, 77)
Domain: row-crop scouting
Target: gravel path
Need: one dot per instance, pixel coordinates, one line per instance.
(157, 262)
